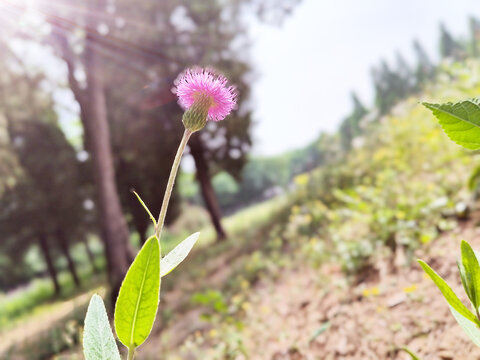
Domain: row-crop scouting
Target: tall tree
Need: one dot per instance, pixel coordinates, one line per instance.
(474, 36)
(187, 33)
(22, 224)
(227, 142)
(90, 95)
(425, 69)
(449, 47)
(30, 208)
(351, 125)
(405, 80)
(51, 172)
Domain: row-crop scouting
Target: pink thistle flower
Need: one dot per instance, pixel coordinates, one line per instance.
(208, 87)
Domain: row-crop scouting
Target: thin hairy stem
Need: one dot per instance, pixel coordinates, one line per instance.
(171, 182)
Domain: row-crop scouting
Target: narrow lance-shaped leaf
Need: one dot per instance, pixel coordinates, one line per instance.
(470, 328)
(410, 352)
(448, 293)
(98, 341)
(177, 255)
(146, 208)
(471, 274)
(138, 298)
(463, 278)
(460, 121)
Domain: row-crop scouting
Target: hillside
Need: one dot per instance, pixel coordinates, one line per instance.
(329, 271)
(334, 275)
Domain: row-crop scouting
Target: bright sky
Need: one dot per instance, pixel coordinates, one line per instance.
(307, 68)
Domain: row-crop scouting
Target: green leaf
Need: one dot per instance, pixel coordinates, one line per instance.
(448, 293)
(409, 352)
(324, 327)
(138, 298)
(460, 121)
(463, 277)
(470, 274)
(474, 179)
(177, 255)
(146, 209)
(470, 328)
(98, 341)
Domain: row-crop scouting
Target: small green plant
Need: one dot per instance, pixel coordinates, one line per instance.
(461, 122)
(409, 352)
(205, 96)
(470, 274)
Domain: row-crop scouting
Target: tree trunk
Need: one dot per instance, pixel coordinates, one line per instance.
(93, 111)
(63, 243)
(43, 242)
(113, 225)
(208, 193)
(90, 255)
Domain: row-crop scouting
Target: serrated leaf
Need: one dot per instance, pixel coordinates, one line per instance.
(470, 328)
(138, 298)
(448, 293)
(177, 255)
(470, 274)
(98, 341)
(460, 121)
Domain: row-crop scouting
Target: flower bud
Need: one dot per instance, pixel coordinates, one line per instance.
(195, 117)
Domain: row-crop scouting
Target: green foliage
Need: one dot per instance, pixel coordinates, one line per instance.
(146, 209)
(470, 274)
(461, 121)
(98, 341)
(138, 298)
(52, 205)
(450, 47)
(212, 299)
(396, 191)
(138, 149)
(409, 352)
(474, 179)
(471, 329)
(350, 127)
(60, 336)
(13, 306)
(37, 295)
(177, 255)
(448, 293)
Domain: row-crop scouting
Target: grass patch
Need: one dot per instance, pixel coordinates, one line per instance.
(25, 301)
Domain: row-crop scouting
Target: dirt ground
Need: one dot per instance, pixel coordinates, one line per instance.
(298, 317)
(307, 313)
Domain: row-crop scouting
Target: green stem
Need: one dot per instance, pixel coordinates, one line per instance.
(171, 182)
(131, 353)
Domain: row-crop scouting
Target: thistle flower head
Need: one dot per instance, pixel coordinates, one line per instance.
(204, 95)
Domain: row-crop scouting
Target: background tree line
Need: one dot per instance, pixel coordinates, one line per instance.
(121, 59)
(263, 177)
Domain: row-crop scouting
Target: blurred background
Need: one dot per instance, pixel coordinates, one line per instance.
(313, 198)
